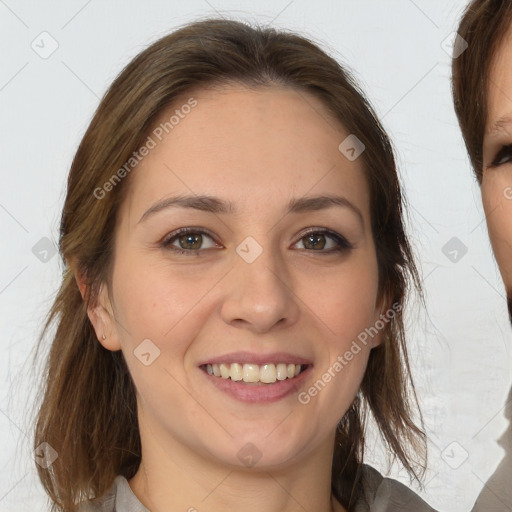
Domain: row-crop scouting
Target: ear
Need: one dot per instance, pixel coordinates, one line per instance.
(101, 314)
(384, 313)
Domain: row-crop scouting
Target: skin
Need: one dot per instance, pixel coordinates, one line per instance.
(497, 180)
(258, 149)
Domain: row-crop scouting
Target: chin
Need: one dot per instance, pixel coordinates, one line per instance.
(259, 453)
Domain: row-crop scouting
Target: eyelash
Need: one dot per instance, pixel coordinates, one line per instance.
(342, 243)
(503, 152)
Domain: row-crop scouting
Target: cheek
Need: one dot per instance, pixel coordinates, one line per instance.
(497, 202)
(349, 310)
(347, 299)
(155, 301)
(158, 303)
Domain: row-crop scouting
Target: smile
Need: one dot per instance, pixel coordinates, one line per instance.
(257, 383)
(254, 373)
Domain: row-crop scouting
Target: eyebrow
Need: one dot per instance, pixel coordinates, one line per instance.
(212, 204)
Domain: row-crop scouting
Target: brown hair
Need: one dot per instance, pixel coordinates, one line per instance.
(89, 412)
(483, 26)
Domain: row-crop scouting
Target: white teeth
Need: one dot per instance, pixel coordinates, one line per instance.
(281, 371)
(224, 371)
(266, 373)
(251, 373)
(235, 371)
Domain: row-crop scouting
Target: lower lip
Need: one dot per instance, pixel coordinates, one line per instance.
(258, 392)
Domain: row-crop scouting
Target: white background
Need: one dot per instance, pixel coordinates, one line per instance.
(460, 348)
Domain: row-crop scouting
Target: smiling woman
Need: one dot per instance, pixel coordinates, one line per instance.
(255, 255)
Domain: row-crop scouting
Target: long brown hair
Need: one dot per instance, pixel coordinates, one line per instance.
(88, 412)
(483, 26)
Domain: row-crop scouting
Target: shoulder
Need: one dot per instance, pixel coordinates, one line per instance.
(119, 498)
(387, 495)
(380, 495)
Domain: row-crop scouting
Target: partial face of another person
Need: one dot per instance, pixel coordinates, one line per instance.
(497, 158)
(254, 283)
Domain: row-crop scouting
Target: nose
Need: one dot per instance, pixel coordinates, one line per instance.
(259, 295)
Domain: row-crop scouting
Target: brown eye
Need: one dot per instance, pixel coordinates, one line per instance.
(321, 239)
(189, 241)
(314, 241)
(503, 157)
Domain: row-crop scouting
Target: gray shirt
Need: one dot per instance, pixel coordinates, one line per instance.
(384, 495)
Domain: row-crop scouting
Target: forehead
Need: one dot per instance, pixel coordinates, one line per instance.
(248, 145)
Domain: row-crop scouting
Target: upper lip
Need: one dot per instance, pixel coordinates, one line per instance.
(249, 357)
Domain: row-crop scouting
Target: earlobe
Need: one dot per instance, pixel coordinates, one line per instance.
(101, 319)
(377, 340)
(103, 323)
(381, 321)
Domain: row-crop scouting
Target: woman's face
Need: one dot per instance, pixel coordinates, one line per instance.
(497, 156)
(247, 285)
